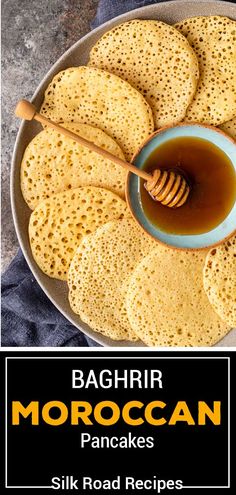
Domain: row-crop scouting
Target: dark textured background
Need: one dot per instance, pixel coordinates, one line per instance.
(34, 35)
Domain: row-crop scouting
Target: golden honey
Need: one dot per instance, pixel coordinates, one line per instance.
(213, 186)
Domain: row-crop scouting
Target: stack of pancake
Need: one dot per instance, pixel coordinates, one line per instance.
(141, 76)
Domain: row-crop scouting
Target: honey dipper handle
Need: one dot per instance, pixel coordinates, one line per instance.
(26, 110)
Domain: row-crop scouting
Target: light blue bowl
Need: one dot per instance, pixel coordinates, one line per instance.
(199, 241)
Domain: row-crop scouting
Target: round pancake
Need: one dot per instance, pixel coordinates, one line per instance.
(230, 128)
(166, 302)
(93, 96)
(58, 225)
(220, 280)
(214, 41)
(154, 58)
(99, 275)
(53, 163)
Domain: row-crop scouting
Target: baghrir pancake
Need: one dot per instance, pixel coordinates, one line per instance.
(213, 38)
(154, 58)
(220, 280)
(230, 128)
(166, 302)
(58, 225)
(53, 163)
(99, 275)
(96, 97)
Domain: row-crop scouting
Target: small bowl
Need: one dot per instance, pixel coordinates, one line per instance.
(199, 241)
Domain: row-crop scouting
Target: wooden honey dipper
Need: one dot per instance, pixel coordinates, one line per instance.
(166, 186)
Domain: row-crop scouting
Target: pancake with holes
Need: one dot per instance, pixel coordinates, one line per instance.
(93, 96)
(154, 58)
(99, 276)
(230, 128)
(220, 280)
(53, 163)
(58, 225)
(166, 302)
(214, 41)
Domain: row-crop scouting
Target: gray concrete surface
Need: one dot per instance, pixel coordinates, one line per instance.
(34, 35)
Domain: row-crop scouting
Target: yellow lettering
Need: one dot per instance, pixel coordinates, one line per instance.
(148, 413)
(205, 411)
(181, 413)
(126, 413)
(63, 413)
(98, 413)
(18, 409)
(76, 414)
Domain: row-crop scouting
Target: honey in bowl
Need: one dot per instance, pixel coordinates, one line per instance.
(213, 186)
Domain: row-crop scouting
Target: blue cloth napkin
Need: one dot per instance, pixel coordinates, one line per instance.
(107, 9)
(28, 316)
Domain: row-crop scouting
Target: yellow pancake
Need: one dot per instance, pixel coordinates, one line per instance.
(93, 96)
(230, 128)
(213, 39)
(99, 276)
(220, 280)
(58, 225)
(166, 302)
(53, 163)
(154, 58)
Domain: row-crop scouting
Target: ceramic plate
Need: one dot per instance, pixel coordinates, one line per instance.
(169, 12)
